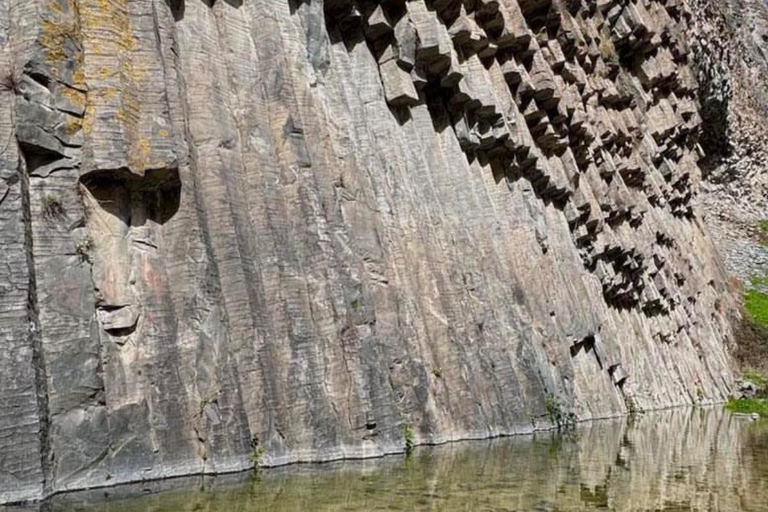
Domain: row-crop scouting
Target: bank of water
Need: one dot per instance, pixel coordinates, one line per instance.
(677, 460)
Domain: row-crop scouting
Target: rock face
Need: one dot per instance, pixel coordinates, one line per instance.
(310, 230)
(675, 459)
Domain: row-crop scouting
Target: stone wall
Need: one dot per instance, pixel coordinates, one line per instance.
(309, 229)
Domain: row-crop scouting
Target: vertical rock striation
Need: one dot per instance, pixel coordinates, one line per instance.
(304, 228)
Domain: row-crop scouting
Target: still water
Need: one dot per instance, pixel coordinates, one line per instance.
(679, 460)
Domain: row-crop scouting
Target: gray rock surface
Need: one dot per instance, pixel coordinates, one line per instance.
(672, 458)
(305, 228)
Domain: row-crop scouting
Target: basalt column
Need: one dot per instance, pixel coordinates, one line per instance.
(238, 232)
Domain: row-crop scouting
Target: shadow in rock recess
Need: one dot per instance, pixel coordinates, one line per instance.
(117, 192)
(177, 6)
(125, 214)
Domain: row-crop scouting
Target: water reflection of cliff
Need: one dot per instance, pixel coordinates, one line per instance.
(682, 460)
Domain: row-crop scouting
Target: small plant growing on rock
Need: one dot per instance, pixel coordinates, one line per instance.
(437, 372)
(257, 453)
(408, 437)
(553, 410)
(83, 247)
(608, 50)
(52, 207)
(558, 417)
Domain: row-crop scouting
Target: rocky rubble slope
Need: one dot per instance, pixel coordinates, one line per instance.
(239, 231)
(731, 54)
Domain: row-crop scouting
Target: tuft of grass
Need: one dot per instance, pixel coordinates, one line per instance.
(408, 437)
(756, 305)
(749, 406)
(52, 207)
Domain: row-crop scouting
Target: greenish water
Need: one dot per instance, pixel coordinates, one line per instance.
(682, 460)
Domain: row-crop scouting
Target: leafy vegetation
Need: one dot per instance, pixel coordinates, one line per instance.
(437, 372)
(553, 410)
(557, 415)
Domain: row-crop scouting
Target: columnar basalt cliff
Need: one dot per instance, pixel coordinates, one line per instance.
(292, 231)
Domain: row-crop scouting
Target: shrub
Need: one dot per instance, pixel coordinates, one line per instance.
(553, 410)
(558, 417)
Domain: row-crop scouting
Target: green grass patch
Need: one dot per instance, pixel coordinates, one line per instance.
(756, 304)
(749, 406)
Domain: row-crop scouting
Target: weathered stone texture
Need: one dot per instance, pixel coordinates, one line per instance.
(305, 227)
